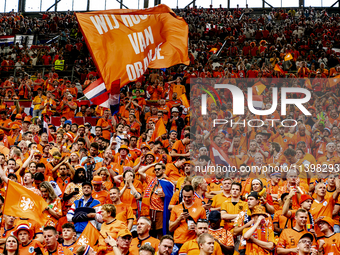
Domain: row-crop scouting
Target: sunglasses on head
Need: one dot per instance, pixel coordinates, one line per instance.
(202, 220)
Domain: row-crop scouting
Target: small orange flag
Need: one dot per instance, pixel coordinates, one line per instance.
(21, 202)
(184, 100)
(159, 130)
(89, 236)
(213, 50)
(334, 81)
(308, 84)
(258, 88)
(279, 69)
(288, 57)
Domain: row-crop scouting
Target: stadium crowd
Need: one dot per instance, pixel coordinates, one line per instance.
(143, 193)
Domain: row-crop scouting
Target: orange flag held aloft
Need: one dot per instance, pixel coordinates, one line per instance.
(334, 81)
(89, 236)
(279, 69)
(124, 43)
(213, 50)
(288, 57)
(308, 84)
(21, 202)
(184, 100)
(159, 130)
(258, 88)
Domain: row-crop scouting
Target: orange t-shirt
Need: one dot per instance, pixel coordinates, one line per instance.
(181, 233)
(102, 196)
(104, 123)
(136, 243)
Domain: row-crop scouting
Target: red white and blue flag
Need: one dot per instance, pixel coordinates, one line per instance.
(218, 157)
(98, 95)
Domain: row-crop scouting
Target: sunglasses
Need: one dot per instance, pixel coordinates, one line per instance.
(158, 169)
(306, 242)
(202, 220)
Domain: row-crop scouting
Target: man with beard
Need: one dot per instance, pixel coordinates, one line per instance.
(166, 245)
(275, 153)
(156, 198)
(73, 190)
(84, 210)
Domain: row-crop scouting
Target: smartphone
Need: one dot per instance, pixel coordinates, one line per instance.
(185, 210)
(210, 201)
(37, 251)
(76, 190)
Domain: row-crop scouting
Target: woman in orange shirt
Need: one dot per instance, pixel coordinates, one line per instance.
(54, 203)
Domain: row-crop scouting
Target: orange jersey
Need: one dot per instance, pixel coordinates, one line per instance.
(191, 248)
(136, 243)
(102, 196)
(332, 244)
(29, 248)
(181, 233)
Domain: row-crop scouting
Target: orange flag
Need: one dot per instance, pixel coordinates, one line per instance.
(184, 100)
(279, 69)
(308, 84)
(89, 236)
(124, 43)
(288, 57)
(334, 81)
(258, 88)
(21, 202)
(213, 50)
(159, 130)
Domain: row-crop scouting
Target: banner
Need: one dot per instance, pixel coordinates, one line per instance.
(124, 43)
(21, 202)
(89, 236)
(159, 130)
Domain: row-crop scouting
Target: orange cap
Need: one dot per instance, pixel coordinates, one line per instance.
(27, 119)
(124, 232)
